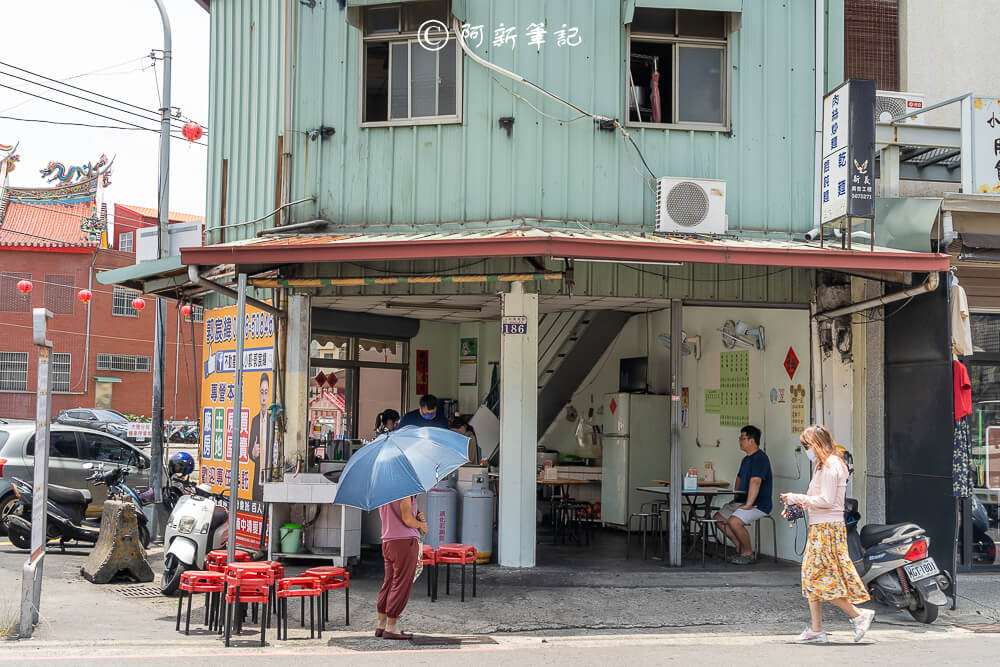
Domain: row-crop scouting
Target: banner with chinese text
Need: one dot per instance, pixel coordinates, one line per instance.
(218, 389)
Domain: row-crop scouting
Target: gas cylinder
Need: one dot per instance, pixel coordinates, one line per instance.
(477, 518)
(442, 505)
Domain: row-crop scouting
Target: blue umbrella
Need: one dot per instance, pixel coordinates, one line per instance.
(400, 464)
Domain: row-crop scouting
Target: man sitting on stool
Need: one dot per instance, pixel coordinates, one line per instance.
(753, 495)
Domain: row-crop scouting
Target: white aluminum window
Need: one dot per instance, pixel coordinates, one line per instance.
(121, 304)
(125, 241)
(62, 370)
(13, 371)
(122, 362)
(405, 82)
(678, 73)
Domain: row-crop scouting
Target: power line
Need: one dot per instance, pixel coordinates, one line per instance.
(106, 127)
(152, 112)
(49, 208)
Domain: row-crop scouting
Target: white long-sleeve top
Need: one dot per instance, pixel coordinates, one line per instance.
(824, 500)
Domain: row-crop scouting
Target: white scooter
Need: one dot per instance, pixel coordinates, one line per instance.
(196, 526)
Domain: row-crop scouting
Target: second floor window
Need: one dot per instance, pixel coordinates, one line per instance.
(678, 69)
(405, 81)
(125, 241)
(121, 303)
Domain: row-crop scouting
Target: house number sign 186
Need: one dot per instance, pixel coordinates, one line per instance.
(514, 325)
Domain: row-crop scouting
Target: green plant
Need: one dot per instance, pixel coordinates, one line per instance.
(10, 618)
(138, 418)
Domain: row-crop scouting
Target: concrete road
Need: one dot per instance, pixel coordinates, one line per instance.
(650, 616)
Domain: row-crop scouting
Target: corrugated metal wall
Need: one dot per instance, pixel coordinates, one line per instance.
(473, 174)
(245, 93)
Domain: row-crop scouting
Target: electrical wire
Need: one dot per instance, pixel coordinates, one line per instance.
(152, 112)
(50, 208)
(409, 273)
(57, 122)
(93, 113)
(766, 274)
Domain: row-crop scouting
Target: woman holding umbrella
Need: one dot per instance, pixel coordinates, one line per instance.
(388, 473)
(402, 526)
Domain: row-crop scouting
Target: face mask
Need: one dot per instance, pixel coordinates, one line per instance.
(427, 416)
(811, 455)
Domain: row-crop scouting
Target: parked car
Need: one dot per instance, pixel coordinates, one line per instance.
(69, 448)
(109, 421)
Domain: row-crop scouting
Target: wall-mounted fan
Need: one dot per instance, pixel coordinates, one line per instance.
(738, 333)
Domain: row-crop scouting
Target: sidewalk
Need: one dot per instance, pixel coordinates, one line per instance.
(634, 597)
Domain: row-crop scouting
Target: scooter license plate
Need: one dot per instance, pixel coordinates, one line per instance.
(922, 569)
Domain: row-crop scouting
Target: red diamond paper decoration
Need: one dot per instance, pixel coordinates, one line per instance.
(791, 363)
(320, 379)
(613, 406)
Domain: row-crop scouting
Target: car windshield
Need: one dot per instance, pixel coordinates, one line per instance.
(110, 416)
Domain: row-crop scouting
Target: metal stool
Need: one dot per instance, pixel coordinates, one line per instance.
(774, 535)
(703, 528)
(648, 516)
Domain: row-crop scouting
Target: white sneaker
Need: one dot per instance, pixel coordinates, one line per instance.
(862, 622)
(810, 637)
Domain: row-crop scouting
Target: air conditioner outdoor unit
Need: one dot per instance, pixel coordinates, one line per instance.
(889, 104)
(691, 206)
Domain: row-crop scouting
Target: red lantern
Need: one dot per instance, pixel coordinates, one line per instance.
(138, 303)
(186, 310)
(84, 295)
(192, 131)
(25, 286)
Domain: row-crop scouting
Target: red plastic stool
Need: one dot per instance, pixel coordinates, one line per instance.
(278, 570)
(429, 560)
(246, 589)
(460, 554)
(199, 581)
(333, 578)
(236, 573)
(302, 588)
(217, 560)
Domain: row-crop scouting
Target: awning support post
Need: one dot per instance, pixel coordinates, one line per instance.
(234, 458)
(518, 426)
(676, 473)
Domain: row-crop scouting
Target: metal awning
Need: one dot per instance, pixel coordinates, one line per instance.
(558, 243)
(148, 277)
(926, 152)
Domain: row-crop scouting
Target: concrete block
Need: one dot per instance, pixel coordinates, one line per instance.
(299, 493)
(118, 549)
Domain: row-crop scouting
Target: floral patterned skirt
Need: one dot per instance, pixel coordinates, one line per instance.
(827, 570)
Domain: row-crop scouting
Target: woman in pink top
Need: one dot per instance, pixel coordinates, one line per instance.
(828, 574)
(402, 526)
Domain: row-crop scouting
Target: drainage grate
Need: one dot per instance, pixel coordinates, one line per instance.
(140, 592)
(425, 640)
(984, 627)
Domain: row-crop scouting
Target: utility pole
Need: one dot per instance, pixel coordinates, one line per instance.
(162, 250)
(31, 575)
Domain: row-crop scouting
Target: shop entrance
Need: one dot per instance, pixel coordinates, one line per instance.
(353, 379)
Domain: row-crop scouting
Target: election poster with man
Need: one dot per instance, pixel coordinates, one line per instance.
(218, 388)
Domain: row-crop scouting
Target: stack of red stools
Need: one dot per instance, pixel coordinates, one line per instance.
(460, 554)
(216, 561)
(331, 579)
(212, 584)
(302, 588)
(247, 583)
(429, 560)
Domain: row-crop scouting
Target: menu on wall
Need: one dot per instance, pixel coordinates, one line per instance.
(798, 395)
(734, 388)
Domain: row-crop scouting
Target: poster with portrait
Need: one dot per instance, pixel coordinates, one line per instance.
(255, 450)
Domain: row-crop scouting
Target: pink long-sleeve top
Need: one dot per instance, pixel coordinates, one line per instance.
(824, 499)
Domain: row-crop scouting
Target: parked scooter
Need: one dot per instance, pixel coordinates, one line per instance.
(67, 509)
(196, 526)
(984, 549)
(893, 563)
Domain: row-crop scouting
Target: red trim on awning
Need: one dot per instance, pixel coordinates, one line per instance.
(574, 248)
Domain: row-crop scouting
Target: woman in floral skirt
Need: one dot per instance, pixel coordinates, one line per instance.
(828, 574)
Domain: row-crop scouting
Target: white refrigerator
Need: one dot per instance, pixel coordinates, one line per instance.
(636, 450)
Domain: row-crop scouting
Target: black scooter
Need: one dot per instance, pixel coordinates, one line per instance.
(67, 509)
(984, 549)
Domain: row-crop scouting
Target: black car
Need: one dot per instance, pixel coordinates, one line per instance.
(98, 419)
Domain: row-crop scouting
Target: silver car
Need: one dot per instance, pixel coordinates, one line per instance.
(69, 448)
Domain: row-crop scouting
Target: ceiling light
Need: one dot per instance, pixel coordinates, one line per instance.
(432, 306)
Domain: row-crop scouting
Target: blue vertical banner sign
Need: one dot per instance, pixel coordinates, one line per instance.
(848, 163)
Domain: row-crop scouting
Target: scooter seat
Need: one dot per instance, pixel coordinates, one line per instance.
(874, 533)
(66, 496)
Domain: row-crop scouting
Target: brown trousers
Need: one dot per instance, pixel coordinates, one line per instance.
(400, 565)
